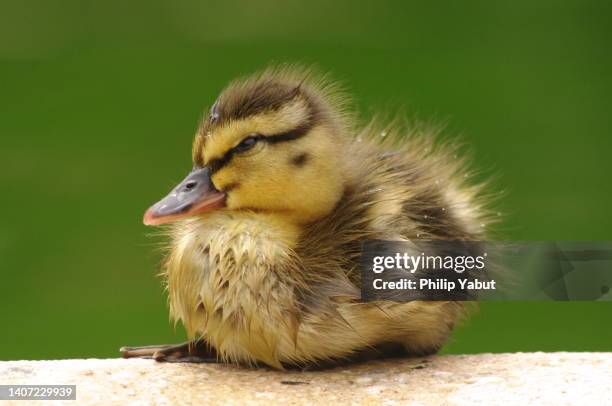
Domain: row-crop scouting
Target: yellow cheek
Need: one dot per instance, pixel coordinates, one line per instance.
(268, 180)
(261, 181)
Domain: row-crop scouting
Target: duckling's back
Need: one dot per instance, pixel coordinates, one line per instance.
(404, 185)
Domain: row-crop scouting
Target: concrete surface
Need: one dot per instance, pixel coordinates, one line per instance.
(484, 379)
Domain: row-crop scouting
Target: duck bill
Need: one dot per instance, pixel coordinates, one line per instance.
(195, 195)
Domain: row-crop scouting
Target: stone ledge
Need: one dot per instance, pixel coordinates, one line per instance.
(487, 379)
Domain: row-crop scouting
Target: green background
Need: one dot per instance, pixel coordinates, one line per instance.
(99, 101)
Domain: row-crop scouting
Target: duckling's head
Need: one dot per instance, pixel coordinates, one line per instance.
(271, 143)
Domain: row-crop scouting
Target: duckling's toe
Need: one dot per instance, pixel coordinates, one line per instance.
(185, 352)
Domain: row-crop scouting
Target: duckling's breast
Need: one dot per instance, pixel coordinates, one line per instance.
(231, 279)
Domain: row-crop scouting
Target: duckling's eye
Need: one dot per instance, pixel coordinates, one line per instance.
(247, 143)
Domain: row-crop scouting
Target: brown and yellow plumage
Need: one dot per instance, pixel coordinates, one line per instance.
(271, 274)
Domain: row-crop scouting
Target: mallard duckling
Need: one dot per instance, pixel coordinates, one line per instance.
(267, 228)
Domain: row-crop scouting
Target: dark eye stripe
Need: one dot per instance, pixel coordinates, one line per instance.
(294, 134)
(219, 163)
